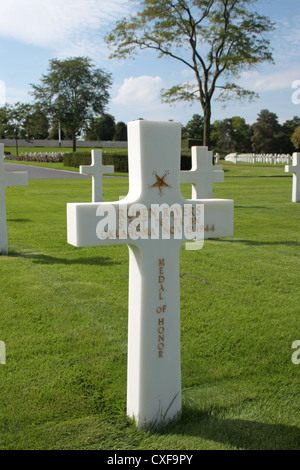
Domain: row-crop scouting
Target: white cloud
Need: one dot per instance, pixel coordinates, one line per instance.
(140, 97)
(13, 95)
(66, 26)
(139, 92)
(286, 40)
(270, 82)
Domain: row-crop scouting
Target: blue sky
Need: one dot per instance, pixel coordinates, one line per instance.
(34, 31)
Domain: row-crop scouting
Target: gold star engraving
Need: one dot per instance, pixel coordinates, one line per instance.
(160, 182)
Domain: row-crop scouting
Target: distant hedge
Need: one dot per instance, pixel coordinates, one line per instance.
(188, 143)
(120, 162)
(77, 159)
(186, 161)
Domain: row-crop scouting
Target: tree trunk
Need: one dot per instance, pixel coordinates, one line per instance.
(17, 137)
(74, 140)
(206, 129)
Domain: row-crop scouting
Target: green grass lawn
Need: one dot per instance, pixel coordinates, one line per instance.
(64, 323)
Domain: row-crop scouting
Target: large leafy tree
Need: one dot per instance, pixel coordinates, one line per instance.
(296, 138)
(266, 133)
(231, 135)
(73, 92)
(36, 125)
(194, 128)
(241, 134)
(13, 119)
(4, 121)
(215, 39)
(102, 128)
(120, 131)
(288, 129)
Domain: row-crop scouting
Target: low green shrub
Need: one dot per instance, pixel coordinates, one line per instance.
(119, 161)
(188, 143)
(77, 159)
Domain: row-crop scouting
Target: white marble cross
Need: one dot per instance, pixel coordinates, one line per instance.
(295, 169)
(7, 178)
(154, 371)
(97, 170)
(203, 174)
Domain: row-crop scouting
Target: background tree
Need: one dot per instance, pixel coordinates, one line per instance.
(36, 125)
(120, 131)
(266, 133)
(241, 133)
(221, 138)
(213, 38)
(3, 122)
(194, 128)
(73, 92)
(102, 128)
(231, 135)
(54, 132)
(296, 138)
(287, 130)
(16, 116)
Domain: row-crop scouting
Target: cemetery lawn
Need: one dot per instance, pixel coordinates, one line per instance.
(64, 323)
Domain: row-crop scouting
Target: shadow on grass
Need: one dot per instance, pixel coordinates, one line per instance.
(251, 207)
(237, 433)
(45, 259)
(257, 243)
(18, 220)
(258, 176)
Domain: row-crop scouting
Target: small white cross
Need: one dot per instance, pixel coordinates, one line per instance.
(203, 174)
(295, 169)
(7, 179)
(97, 170)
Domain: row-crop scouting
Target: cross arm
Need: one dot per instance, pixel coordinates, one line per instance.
(16, 178)
(291, 169)
(218, 175)
(218, 217)
(87, 222)
(96, 224)
(89, 170)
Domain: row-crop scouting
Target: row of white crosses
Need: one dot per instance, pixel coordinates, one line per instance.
(7, 179)
(254, 158)
(154, 371)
